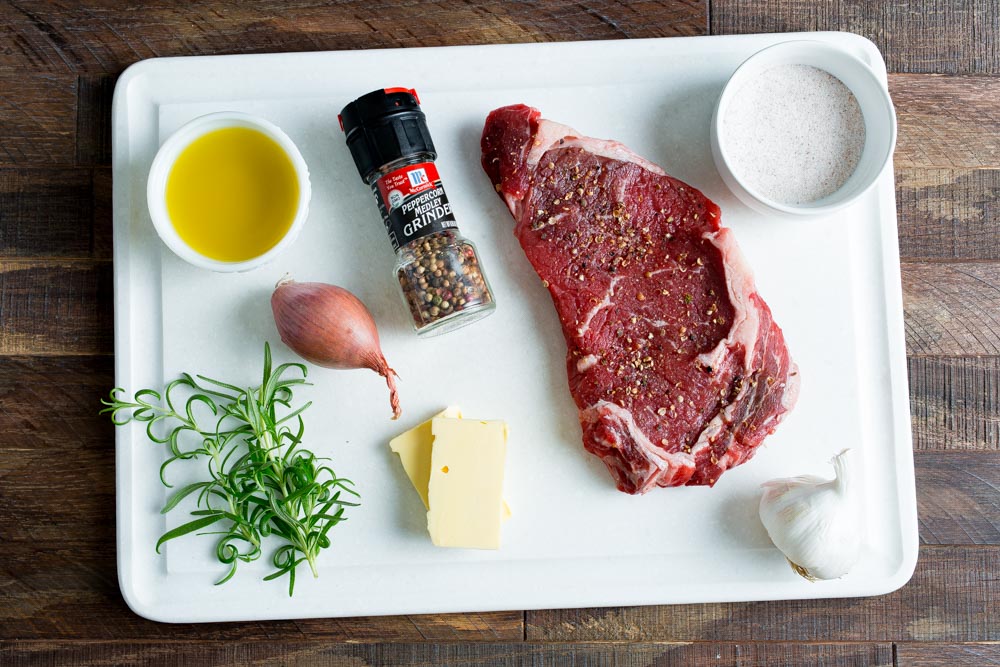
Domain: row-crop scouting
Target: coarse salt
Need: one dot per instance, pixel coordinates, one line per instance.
(794, 134)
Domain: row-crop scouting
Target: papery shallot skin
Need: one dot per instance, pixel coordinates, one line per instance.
(674, 360)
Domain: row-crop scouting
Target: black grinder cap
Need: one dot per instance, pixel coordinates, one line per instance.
(384, 126)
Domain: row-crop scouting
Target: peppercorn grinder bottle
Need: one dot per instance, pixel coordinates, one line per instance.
(438, 270)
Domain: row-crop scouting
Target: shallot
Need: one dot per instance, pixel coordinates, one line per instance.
(330, 327)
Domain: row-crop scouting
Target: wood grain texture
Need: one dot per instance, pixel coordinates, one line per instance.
(93, 119)
(952, 309)
(54, 439)
(46, 213)
(37, 118)
(105, 36)
(913, 35)
(948, 214)
(948, 655)
(67, 588)
(950, 122)
(102, 236)
(958, 497)
(955, 403)
(952, 597)
(284, 652)
(55, 307)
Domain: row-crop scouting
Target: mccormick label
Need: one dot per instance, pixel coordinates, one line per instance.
(413, 203)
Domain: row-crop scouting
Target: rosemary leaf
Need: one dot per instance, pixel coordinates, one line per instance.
(261, 484)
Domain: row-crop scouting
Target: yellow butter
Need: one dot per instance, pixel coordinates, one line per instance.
(414, 450)
(465, 492)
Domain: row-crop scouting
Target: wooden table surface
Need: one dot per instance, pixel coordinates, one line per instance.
(59, 597)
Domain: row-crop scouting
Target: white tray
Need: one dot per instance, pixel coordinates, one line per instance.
(574, 541)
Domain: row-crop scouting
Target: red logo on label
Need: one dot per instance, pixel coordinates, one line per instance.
(400, 184)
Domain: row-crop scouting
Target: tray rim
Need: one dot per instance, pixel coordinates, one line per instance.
(123, 203)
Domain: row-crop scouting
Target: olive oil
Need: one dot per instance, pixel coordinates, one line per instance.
(232, 194)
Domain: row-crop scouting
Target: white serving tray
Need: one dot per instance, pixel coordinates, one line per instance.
(574, 541)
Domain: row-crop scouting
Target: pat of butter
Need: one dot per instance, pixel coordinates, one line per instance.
(465, 492)
(414, 450)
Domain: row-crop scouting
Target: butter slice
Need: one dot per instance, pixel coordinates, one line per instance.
(414, 450)
(465, 491)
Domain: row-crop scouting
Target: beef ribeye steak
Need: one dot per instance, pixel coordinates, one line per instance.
(675, 363)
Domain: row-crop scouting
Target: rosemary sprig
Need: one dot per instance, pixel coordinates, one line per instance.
(261, 481)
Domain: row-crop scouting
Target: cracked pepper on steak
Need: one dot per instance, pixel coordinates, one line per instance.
(675, 363)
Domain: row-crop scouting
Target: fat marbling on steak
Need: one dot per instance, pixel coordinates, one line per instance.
(675, 363)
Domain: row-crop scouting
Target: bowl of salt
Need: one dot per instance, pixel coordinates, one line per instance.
(802, 128)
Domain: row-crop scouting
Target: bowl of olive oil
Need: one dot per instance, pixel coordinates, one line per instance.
(228, 191)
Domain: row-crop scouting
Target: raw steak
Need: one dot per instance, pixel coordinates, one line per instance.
(674, 360)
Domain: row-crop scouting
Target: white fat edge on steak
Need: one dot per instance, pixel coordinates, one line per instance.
(790, 392)
(549, 134)
(665, 462)
(746, 317)
(712, 430)
(745, 333)
(746, 330)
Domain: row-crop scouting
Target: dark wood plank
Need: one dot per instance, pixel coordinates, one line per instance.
(103, 216)
(952, 309)
(952, 597)
(453, 655)
(67, 588)
(56, 453)
(37, 118)
(46, 212)
(106, 36)
(913, 35)
(93, 119)
(55, 307)
(955, 403)
(57, 538)
(948, 214)
(948, 655)
(946, 121)
(958, 497)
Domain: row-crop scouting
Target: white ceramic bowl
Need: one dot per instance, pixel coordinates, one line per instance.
(876, 108)
(156, 186)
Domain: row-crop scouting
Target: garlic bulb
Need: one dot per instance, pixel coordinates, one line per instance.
(815, 522)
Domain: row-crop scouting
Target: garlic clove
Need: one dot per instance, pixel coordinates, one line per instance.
(816, 523)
